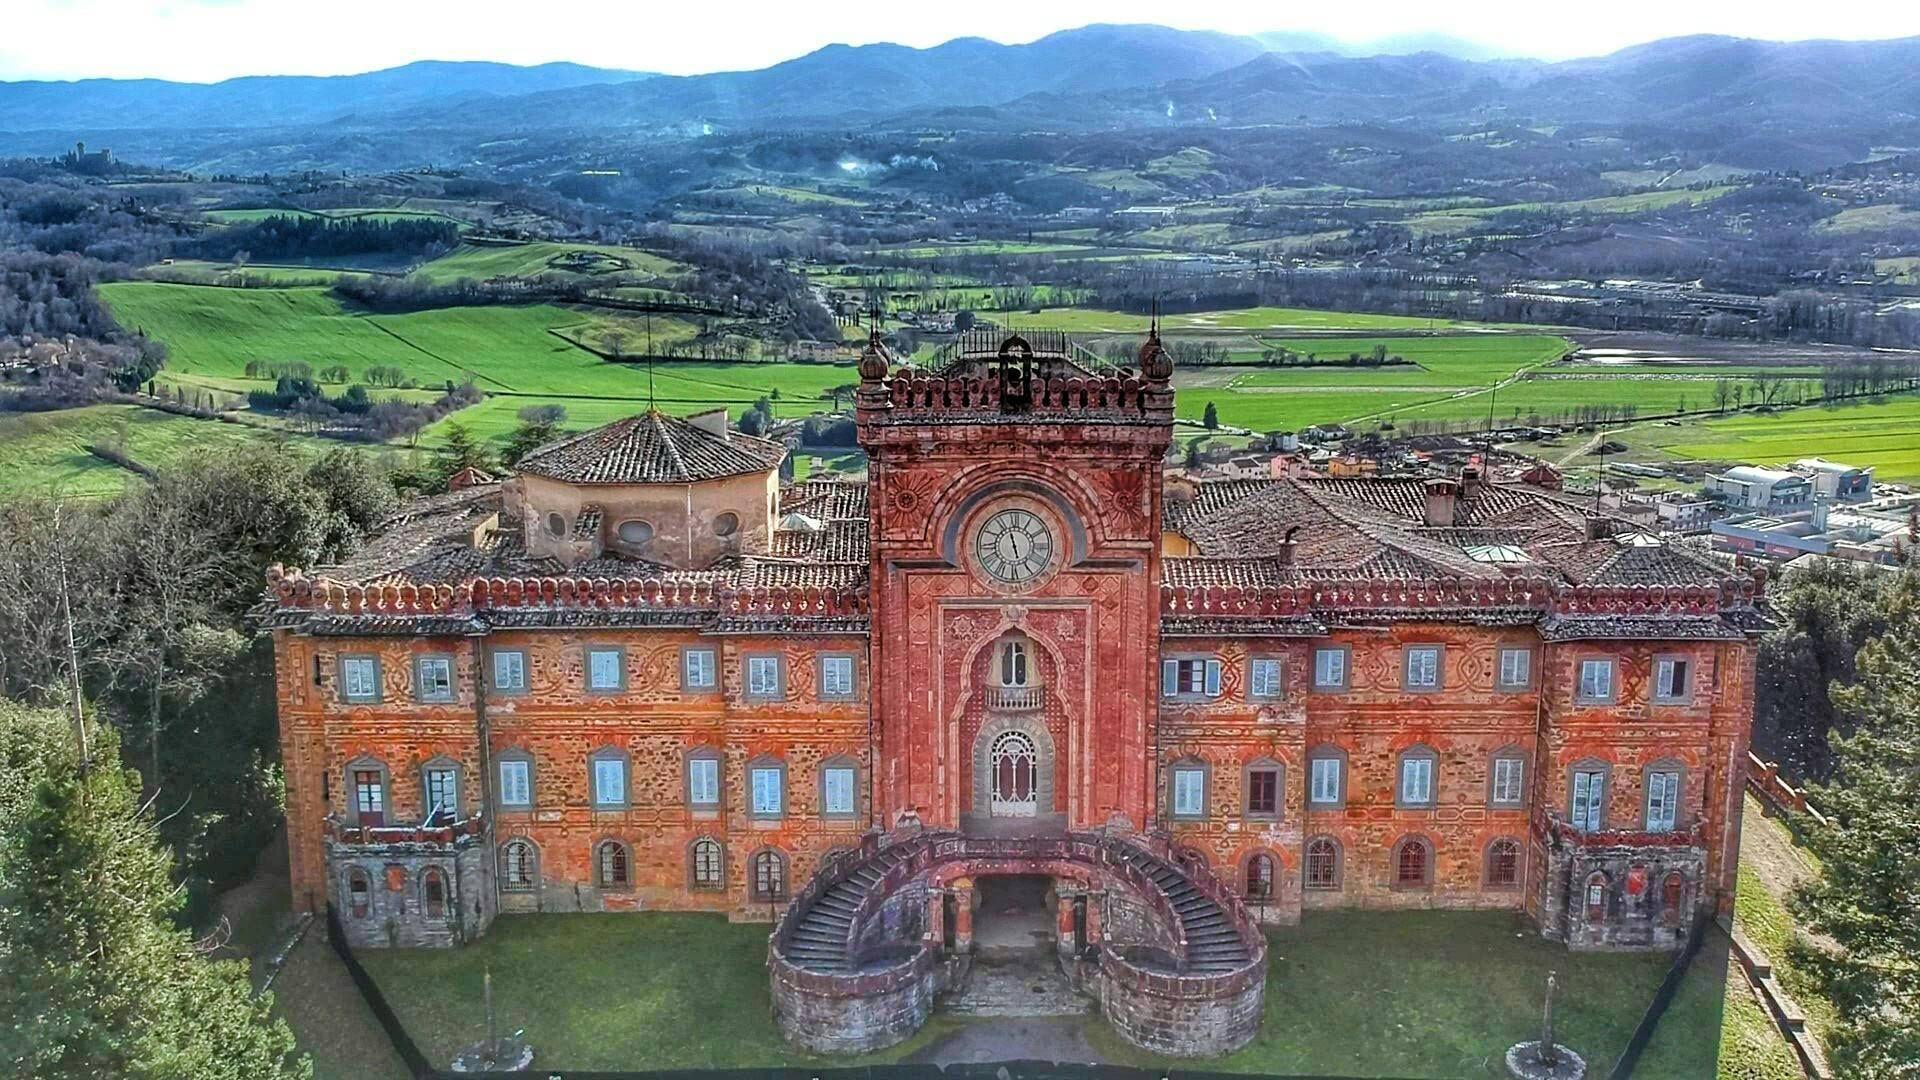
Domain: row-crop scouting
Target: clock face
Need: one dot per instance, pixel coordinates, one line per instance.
(1014, 546)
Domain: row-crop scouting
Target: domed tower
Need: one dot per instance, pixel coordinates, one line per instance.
(680, 493)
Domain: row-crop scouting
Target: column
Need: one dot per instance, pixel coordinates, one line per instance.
(963, 915)
(1063, 922)
(936, 934)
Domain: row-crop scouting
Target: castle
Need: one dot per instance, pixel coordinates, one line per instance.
(643, 674)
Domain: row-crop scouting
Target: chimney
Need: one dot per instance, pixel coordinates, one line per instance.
(1820, 507)
(1442, 495)
(713, 421)
(1598, 527)
(1287, 546)
(1470, 478)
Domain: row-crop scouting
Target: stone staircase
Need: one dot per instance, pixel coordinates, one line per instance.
(820, 937)
(1213, 943)
(1029, 985)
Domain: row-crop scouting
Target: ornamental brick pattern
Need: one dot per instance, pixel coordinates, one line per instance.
(1473, 626)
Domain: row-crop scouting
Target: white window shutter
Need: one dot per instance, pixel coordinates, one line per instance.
(1169, 677)
(1213, 678)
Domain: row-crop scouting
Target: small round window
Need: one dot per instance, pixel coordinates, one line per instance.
(556, 525)
(636, 532)
(726, 524)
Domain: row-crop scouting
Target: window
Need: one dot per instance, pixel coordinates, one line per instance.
(360, 678)
(359, 893)
(698, 669)
(764, 678)
(1422, 668)
(1327, 768)
(836, 676)
(1416, 790)
(1589, 797)
(609, 772)
(1412, 864)
(556, 525)
(703, 780)
(1596, 682)
(516, 779)
(433, 678)
(836, 791)
(610, 865)
(1503, 864)
(768, 783)
(709, 864)
(1323, 863)
(1013, 664)
(1330, 669)
(1663, 798)
(367, 787)
(519, 865)
(606, 669)
(769, 876)
(635, 532)
(1516, 669)
(1670, 681)
(726, 524)
(1597, 891)
(1263, 790)
(433, 893)
(1506, 778)
(1260, 876)
(1263, 678)
(1189, 791)
(441, 782)
(509, 670)
(1190, 677)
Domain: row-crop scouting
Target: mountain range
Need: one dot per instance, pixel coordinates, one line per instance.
(1788, 103)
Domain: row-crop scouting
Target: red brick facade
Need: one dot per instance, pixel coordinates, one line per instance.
(1483, 582)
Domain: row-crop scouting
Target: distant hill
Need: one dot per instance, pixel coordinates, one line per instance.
(278, 100)
(878, 80)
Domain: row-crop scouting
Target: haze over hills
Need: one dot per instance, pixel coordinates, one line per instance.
(1761, 104)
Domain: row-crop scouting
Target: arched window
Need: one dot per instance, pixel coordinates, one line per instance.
(726, 524)
(1323, 863)
(1503, 864)
(1596, 898)
(769, 876)
(1012, 763)
(433, 893)
(1013, 663)
(1260, 877)
(709, 864)
(359, 893)
(556, 525)
(1673, 893)
(1412, 864)
(519, 865)
(611, 865)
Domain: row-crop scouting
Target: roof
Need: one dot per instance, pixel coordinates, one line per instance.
(652, 448)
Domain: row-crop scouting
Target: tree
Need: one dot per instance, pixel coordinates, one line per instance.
(462, 451)
(1825, 614)
(1211, 420)
(95, 980)
(1864, 898)
(963, 320)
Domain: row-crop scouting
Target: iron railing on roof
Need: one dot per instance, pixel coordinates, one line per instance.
(986, 338)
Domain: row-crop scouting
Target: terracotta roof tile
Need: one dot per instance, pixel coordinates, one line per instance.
(652, 448)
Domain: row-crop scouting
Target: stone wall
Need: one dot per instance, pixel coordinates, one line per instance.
(1616, 894)
(399, 911)
(1182, 1015)
(829, 1014)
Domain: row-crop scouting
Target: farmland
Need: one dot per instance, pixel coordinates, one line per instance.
(1885, 435)
(527, 260)
(48, 451)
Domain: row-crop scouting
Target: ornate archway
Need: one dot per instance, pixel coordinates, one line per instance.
(1013, 765)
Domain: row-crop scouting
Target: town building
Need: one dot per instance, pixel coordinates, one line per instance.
(1836, 482)
(1017, 660)
(1751, 487)
(1855, 534)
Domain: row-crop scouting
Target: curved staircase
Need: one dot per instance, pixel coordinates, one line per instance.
(1214, 943)
(823, 933)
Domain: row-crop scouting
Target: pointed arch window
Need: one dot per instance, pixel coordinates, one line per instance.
(709, 865)
(519, 865)
(1503, 864)
(433, 893)
(613, 865)
(1260, 876)
(1323, 863)
(1014, 663)
(769, 876)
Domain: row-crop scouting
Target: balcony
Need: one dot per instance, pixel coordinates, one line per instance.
(1016, 698)
(341, 832)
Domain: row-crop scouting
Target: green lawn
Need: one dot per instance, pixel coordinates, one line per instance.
(664, 991)
(1715, 1010)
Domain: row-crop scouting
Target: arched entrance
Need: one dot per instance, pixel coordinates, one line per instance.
(1013, 765)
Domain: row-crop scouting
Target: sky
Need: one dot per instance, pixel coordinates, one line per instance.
(209, 40)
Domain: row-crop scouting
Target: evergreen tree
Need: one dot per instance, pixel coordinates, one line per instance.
(462, 451)
(531, 435)
(95, 980)
(1211, 421)
(1865, 898)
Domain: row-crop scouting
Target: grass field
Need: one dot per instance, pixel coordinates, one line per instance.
(1093, 321)
(667, 991)
(483, 261)
(248, 216)
(46, 452)
(1885, 435)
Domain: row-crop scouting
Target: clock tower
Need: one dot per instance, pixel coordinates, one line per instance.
(1014, 526)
